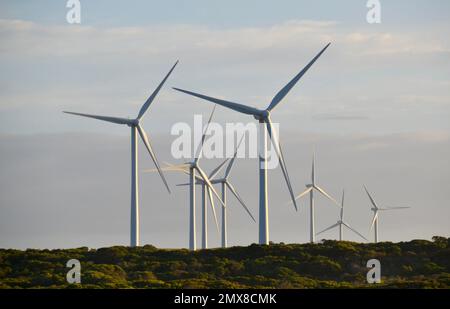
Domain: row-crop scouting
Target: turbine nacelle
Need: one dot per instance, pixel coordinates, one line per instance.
(261, 115)
(133, 122)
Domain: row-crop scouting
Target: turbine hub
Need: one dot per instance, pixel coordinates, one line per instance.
(262, 115)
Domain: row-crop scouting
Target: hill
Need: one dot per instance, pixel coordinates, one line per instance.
(330, 264)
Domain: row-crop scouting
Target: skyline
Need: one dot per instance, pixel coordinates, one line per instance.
(376, 109)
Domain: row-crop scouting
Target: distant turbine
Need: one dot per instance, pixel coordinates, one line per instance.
(375, 210)
(225, 183)
(341, 223)
(190, 168)
(136, 128)
(310, 189)
(263, 116)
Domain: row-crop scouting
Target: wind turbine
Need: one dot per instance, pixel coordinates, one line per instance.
(375, 210)
(191, 168)
(310, 189)
(136, 128)
(263, 116)
(341, 223)
(225, 184)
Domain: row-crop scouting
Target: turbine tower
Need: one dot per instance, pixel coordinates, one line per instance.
(263, 116)
(375, 210)
(341, 223)
(310, 189)
(136, 128)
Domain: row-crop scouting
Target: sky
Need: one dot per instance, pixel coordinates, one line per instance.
(375, 107)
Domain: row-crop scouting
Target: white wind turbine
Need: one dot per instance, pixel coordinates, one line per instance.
(341, 223)
(136, 127)
(191, 168)
(263, 116)
(310, 189)
(225, 183)
(375, 210)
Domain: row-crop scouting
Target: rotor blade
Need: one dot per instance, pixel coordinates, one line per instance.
(393, 208)
(208, 183)
(375, 218)
(353, 230)
(238, 197)
(152, 154)
(104, 118)
(211, 202)
(342, 205)
(304, 193)
(371, 198)
(184, 168)
(277, 146)
(234, 106)
(328, 228)
(230, 165)
(327, 195)
(153, 95)
(199, 150)
(217, 169)
(284, 91)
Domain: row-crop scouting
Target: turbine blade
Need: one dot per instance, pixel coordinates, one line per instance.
(371, 198)
(375, 218)
(148, 145)
(284, 91)
(353, 230)
(218, 169)
(328, 228)
(241, 201)
(153, 95)
(342, 205)
(393, 208)
(208, 184)
(230, 165)
(327, 195)
(277, 146)
(116, 120)
(184, 168)
(211, 202)
(234, 106)
(199, 150)
(303, 193)
(183, 184)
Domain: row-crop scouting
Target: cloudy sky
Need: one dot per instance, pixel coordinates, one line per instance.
(375, 106)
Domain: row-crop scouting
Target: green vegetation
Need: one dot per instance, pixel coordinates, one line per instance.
(331, 264)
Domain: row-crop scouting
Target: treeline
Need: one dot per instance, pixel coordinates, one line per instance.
(330, 264)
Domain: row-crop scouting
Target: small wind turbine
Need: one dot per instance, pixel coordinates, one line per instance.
(263, 116)
(341, 223)
(310, 189)
(136, 128)
(191, 168)
(225, 183)
(375, 210)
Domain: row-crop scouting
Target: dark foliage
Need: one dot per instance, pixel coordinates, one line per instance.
(330, 264)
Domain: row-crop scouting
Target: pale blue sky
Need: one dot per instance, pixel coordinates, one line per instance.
(232, 13)
(376, 105)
